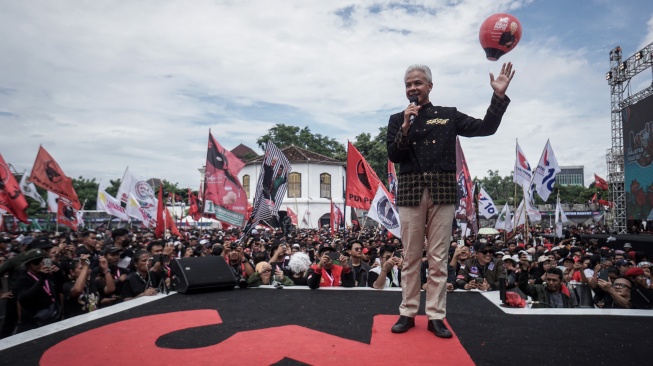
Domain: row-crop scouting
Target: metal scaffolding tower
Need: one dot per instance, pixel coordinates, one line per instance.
(619, 76)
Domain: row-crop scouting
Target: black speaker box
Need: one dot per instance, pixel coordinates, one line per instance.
(198, 274)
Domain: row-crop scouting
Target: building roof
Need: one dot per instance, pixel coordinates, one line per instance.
(241, 151)
(298, 155)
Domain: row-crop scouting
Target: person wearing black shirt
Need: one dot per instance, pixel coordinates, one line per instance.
(37, 293)
(141, 282)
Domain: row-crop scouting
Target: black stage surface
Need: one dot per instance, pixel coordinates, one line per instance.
(329, 327)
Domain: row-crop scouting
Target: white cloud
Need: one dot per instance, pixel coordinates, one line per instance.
(105, 84)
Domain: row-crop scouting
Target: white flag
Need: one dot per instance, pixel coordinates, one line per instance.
(560, 218)
(384, 212)
(29, 190)
(532, 211)
(545, 173)
(486, 206)
(522, 174)
(520, 215)
(505, 219)
(53, 206)
(140, 190)
(109, 204)
(135, 210)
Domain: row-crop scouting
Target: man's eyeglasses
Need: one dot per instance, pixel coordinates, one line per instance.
(620, 285)
(486, 251)
(357, 249)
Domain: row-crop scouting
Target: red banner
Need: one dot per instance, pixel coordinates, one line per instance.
(392, 181)
(362, 181)
(12, 199)
(160, 229)
(47, 174)
(224, 196)
(292, 215)
(67, 214)
(600, 182)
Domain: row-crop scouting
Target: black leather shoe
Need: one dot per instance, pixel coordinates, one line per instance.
(403, 324)
(439, 329)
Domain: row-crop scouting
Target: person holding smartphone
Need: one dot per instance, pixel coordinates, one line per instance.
(328, 274)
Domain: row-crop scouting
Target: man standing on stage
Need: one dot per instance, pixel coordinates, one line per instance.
(422, 139)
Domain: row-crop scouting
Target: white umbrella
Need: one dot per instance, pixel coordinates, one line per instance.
(488, 231)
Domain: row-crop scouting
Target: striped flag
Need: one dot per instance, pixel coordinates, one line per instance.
(272, 184)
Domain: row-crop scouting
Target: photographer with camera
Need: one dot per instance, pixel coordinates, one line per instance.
(327, 274)
(388, 273)
(483, 272)
(240, 265)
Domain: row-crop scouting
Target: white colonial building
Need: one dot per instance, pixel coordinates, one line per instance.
(313, 182)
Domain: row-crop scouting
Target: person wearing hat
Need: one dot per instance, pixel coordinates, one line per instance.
(511, 271)
(628, 247)
(618, 293)
(328, 274)
(112, 254)
(483, 272)
(623, 266)
(641, 297)
(263, 276)
(36, 293)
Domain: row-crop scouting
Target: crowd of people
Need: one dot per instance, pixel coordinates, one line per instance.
(51, 276)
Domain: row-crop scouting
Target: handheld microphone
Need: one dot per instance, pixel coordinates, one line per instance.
(412, 99)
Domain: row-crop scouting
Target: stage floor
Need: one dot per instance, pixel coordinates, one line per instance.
(298, 326)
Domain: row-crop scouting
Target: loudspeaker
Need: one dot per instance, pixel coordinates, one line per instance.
(195, 274)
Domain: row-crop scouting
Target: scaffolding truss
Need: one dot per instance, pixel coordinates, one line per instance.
(619, 76)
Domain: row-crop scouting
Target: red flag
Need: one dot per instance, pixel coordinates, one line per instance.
(332, 217)
(606, 203)
(600, 182)
(594, 198)
(224, 196)
(47, 174)
(160, 229)
(465, 207)
(292, 215)
(170, 224)
(194, 210)
(362, 181)
(12, 199)
(67, 214)
(392, 181)
(355, 224)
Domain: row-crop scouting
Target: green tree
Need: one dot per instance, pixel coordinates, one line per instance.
(501, 189)
(283, 136)
(374, 151)
(86, 191)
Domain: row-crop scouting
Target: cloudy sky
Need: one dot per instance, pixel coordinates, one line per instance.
(103, 85)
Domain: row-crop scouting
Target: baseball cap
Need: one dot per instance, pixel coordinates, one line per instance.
(634, 272)
(542, 259)
(34, 254)
(40, 243)
(622, 262)
(628, 245)
(111, 249)
(325, 247)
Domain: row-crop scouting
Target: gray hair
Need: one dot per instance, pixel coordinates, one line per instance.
(418, 67)
(299, 262)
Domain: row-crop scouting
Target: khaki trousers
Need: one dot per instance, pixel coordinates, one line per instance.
(434, 222)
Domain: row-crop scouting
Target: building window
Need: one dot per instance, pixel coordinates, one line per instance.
(325, 185)
(294, 185)
(246, 185)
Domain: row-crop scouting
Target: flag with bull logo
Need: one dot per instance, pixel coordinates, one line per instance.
(600, 183)
(67, 214)
(361, 180)
(12, 199)
(292, 215)
(47, 174)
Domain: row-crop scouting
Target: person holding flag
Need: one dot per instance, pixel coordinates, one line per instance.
(422, 140)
